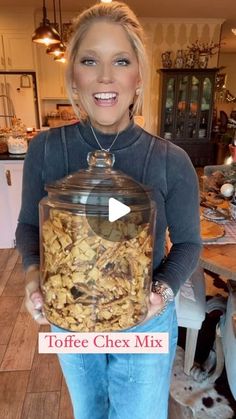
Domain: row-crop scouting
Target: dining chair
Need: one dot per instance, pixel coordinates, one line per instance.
(228, 334)
(191, 313)
(190, 304)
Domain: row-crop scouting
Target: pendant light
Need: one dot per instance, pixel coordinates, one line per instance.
(46, 34)
(60, 59)
(56, 49)
(59, 52)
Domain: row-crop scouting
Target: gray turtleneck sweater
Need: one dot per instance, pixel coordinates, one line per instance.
(150, 160)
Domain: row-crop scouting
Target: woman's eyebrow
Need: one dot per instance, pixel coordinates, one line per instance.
(122, 53)
(95, 52)
(87, 51)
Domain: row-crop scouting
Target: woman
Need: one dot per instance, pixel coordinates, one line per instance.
(106, 77)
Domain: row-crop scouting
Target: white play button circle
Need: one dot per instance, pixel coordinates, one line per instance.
(117, 210)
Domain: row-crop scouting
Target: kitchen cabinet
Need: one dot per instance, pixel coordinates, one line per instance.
(186, 111)
(16, 52)
(10, 191)
(51, 76)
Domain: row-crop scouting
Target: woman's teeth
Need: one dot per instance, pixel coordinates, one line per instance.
(105, 96)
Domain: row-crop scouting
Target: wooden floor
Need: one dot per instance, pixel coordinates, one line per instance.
(31, 385)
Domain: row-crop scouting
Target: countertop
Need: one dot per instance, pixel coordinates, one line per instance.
(8, 156)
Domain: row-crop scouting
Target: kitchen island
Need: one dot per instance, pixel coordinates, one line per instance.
(12, 157)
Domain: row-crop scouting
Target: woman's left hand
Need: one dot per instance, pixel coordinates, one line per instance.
(156, 304)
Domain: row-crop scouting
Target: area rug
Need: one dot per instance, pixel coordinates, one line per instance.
(203, 400)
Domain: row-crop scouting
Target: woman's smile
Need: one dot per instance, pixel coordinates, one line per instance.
(105, 98)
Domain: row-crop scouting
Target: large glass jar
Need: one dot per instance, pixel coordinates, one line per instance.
(95, 273)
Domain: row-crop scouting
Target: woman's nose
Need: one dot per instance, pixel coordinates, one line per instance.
(105, 74)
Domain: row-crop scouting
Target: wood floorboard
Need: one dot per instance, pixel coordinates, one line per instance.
(2, 352)
(31, 384)
(20, 350)
(8, 259)
(45, 373)
(15, 285)
(4, 277)
(13, 387)
(65, 411)
(9, 309)
(41, 405)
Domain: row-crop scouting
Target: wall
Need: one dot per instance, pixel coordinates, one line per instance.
(20, 19)
(172, 34)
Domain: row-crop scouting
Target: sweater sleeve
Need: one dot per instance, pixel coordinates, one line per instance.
(183, 221)
(27, 232)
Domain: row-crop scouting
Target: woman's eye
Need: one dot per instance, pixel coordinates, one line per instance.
(88, 61)
(122, 62)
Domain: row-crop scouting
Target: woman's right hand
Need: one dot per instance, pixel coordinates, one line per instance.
(33, 295)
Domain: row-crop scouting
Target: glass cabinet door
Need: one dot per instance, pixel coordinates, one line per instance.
(181, 107)
(168, 108)
(206, 100)
(186, 107)
(193, 107)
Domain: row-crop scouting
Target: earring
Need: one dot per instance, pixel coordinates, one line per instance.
(137, 91)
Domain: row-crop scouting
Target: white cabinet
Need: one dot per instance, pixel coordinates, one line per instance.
(10, 200)
(16, 52)
(51, 76)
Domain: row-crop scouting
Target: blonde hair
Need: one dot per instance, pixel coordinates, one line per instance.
(115, 12)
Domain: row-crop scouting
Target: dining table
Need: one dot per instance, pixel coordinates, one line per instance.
(219, 259)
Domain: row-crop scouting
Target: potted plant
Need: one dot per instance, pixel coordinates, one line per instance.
(202, 52)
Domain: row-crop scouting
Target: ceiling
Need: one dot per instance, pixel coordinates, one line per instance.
(223, 9)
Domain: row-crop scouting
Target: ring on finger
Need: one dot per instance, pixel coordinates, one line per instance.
(37, 315)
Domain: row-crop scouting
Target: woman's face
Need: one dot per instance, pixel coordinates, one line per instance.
(106, 74)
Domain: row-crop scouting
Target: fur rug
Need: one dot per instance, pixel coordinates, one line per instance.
(198, 400)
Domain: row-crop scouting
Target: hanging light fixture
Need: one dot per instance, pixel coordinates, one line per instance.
(60, 59)
(60, 49)
(46, 34)
(57, 49)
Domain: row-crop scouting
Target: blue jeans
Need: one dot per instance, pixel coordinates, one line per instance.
(122, 386)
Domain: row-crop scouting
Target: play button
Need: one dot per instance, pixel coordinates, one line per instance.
(117, 210)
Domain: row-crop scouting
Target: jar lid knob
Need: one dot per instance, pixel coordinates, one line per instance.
(100, 158)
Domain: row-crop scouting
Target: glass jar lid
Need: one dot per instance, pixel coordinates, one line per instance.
(99, 182)
(115, 205)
